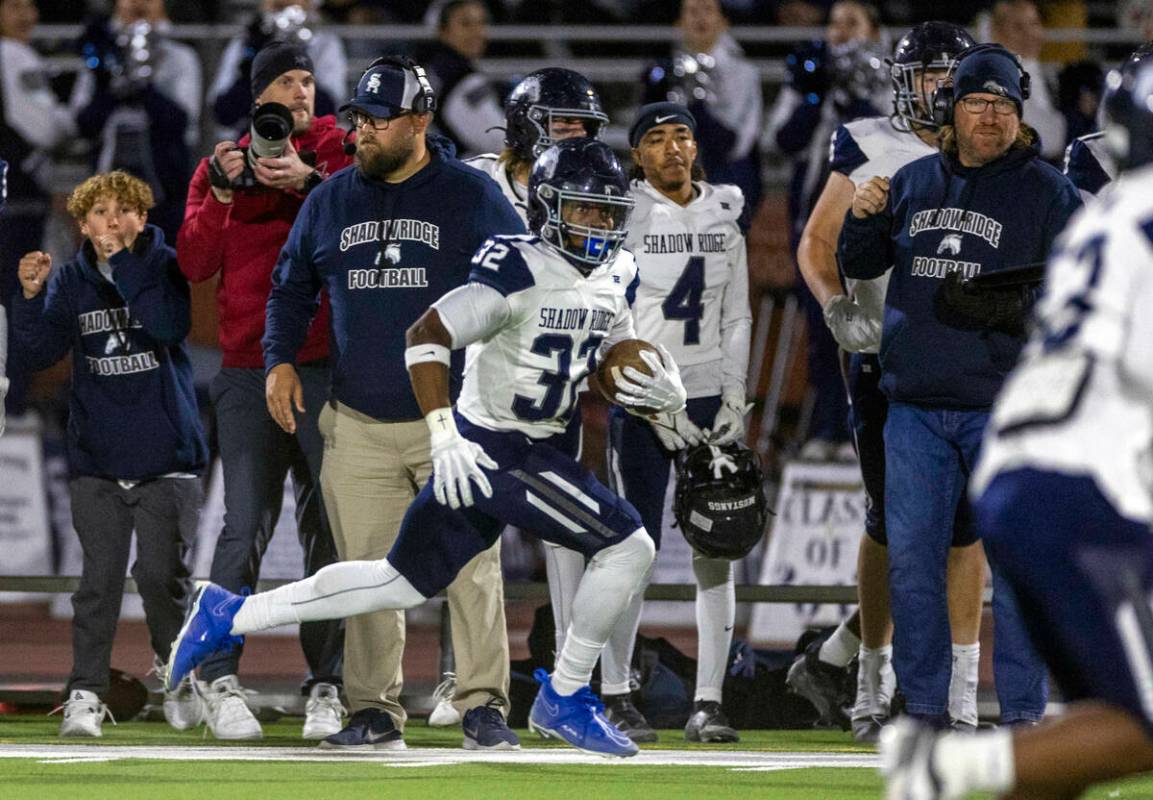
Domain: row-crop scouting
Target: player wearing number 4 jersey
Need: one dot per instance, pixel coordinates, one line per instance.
(533, 315)
(693, 299)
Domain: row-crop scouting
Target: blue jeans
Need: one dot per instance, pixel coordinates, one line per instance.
(929, 455)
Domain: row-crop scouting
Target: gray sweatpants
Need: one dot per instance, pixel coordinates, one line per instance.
(164, 513)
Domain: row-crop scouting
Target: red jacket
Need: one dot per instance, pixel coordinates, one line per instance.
(242, 240)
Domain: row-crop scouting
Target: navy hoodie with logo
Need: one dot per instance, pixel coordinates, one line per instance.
(943, 217)
(384, 252)
(132, 410)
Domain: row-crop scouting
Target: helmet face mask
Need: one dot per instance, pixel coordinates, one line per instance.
(930, 46)
(720, 502)
(579, 202)
(543, 117)
(541, 98)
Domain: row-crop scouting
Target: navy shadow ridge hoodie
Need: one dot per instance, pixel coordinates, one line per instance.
(385, 253)
(943, 217)
(132, 410)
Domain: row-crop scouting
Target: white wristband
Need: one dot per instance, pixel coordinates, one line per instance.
(420, 353)
(441, 424)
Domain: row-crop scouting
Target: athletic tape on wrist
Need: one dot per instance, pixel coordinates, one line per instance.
(441, 424)
(421, 353)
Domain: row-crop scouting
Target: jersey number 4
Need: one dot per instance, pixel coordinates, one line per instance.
(684, 301)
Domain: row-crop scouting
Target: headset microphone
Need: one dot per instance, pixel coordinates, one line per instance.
(349, 147)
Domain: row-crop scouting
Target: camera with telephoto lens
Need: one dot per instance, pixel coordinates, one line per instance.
(271, 126)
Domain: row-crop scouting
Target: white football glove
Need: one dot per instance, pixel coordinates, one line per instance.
(661, 391)
(676, 431)
(456, 462)
(853, 329)
(729, 423)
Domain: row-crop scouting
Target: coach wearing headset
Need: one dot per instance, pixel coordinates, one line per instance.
(985, 203)
(385, 240)
(236, 233)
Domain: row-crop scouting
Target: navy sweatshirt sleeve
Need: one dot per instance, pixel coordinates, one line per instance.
(42, 327)
(295, 293)
(156, 293)
(865, 247)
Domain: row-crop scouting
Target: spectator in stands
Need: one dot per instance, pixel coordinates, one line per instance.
(1017, 25)
(293, 21)
(135, 447)
(139, 102)
(384, 240)
(470, 112)
(33, 123)
(708, 72)
(831, 83)
(984, 204)
(236, 233)
(3, 313)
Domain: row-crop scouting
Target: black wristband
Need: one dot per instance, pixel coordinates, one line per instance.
(313, 180)
(217, 177)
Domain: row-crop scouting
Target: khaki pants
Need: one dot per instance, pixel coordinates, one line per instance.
(371, 472)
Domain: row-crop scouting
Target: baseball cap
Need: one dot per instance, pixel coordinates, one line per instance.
(384, 91)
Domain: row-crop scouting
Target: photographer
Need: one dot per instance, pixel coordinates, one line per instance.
(292, 21)
(139, 101)
(238, 233)
(986, 203)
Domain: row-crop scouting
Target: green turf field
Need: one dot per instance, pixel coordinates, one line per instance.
(149, 760)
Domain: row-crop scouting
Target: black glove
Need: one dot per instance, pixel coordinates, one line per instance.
(962, 305)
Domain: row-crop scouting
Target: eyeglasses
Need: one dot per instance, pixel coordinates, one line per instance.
(358, 118)
(977, 105)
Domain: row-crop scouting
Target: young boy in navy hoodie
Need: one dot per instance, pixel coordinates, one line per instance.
(135, 447)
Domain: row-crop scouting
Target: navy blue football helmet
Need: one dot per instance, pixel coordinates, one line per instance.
(574, 179)
(928, 46)
(720, 503)
(1128, 105)
(541, 96)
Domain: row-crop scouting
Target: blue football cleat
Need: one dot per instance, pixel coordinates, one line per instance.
(207, 628)
(577, 719)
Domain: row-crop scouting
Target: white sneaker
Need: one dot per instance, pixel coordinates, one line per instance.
(83, 714)
(183, 706)
(323, 712)
(226, 711)
(444, 715)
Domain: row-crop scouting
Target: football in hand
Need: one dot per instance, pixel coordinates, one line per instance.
(626, 353)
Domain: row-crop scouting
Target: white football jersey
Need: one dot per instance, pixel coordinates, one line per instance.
(869, 148)
(524, 376)
(1080, 401)
(694, 283)
(517, 195)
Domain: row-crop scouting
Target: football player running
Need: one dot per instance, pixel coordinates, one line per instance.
(1063, 496)
(548, 106)
(534, 314)
(692, 299)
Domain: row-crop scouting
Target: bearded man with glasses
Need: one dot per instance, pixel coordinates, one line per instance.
(985, 204)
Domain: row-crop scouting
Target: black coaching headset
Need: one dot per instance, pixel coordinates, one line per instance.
(943, 94)
(423, 102)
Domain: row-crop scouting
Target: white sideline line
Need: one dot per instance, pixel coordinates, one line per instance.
(423, 757)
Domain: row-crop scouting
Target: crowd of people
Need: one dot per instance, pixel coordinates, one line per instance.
(406, 334)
